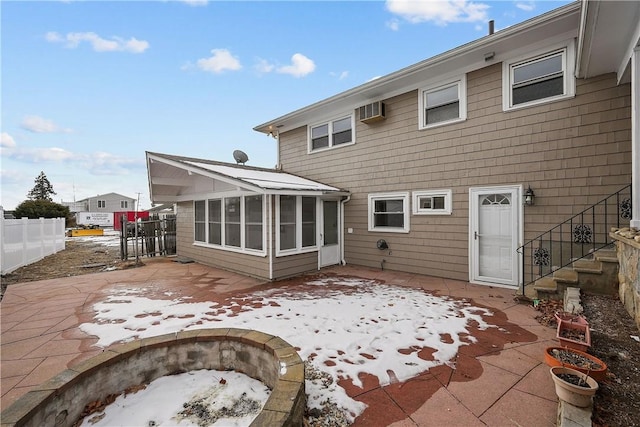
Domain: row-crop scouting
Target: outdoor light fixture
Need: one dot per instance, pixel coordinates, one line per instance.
(529, 196)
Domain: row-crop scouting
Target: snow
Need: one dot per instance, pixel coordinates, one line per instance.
(265, 179)
(110, 237)
(345, 326)
(162, 401)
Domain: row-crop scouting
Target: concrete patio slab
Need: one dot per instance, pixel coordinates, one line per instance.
(499, 380)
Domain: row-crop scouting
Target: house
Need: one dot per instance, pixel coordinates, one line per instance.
(110, 202)
(443, 168)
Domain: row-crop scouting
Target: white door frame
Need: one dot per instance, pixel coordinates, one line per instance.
(517, 238)
(336, 253)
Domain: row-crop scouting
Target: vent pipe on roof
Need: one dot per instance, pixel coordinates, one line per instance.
(491, 27)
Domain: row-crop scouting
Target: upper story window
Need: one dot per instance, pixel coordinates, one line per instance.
(102, 204)
(538, 79)
(443, 104)
(432, 202)
(124, 204)
(331, 134)
(389, 212)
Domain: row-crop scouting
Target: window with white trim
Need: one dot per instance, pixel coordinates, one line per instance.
(215, 222)
(389, 212)
(102, 204)
(538, 79)
(297, 224)
(443, 104)
(235, 223)
(432, 202)
(331, 134)
(200, 225)
(124, 204)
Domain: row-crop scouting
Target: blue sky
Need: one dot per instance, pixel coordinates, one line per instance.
(89, 86)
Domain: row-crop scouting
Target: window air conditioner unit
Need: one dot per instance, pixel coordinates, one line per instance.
(372, 112)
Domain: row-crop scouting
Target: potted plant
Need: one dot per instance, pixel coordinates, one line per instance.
(570, 317)
(574, 334)
(576, 359)
(573, 386)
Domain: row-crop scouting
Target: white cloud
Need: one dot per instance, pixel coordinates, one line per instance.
(526, 5)
(441, 12)
(264, 66)
(393, 25)
(300, 66)
(221, 60)
(7, 140)
(195, 2)
(38, 124)
(99, 44)
(341, 76)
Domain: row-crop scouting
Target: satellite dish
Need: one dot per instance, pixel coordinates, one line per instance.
(240, 157)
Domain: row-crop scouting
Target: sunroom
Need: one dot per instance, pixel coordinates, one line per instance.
(262, 222)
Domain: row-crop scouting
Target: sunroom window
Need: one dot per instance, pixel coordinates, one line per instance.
(200, 221)
(331, 134)
(297, 224)
(235, 223)
(389, 212)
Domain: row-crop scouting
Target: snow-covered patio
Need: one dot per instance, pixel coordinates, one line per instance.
(402, 349)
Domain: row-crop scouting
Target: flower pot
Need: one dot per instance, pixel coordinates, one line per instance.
(570, 317)
(569, 334)
(571, 358)
(574, 394)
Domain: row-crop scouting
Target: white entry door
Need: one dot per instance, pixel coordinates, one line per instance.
(330, 235)
(494, 231)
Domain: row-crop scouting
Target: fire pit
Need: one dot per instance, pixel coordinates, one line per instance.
(268, 358)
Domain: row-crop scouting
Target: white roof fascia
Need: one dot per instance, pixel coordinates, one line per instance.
(633, 43)
(205, 172)
(378, 88)
(296, 185)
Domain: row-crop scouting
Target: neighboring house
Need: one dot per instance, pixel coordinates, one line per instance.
(425, 170)
(110, 202)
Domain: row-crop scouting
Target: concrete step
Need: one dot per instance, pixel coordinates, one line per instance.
(546, 284)
(587, 266)
(566, 275)
(606, 255)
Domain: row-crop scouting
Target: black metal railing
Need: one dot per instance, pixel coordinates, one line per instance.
(575, 238)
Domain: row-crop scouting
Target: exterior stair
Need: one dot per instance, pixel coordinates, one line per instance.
(598, 275)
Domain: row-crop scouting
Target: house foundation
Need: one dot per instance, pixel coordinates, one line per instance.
(628, 250)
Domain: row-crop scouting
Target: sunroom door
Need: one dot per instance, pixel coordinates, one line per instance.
(330, 234)
(494, 234)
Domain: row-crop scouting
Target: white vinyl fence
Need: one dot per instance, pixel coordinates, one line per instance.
(23, 241)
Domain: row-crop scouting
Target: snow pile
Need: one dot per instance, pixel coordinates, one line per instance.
(204, 397)
(344, 326)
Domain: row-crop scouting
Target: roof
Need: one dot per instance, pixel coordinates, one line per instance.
(555, 26)
(106, 195)
(609, 32)
(177, 178)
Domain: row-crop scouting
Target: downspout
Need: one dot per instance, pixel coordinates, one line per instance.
(270, 234)
(342, 203)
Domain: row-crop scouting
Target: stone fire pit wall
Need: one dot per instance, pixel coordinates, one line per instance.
(61, 400)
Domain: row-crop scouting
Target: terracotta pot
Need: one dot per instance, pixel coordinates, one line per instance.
(570, 393)
(564, 325)
(597, 374)
(570, 317)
